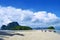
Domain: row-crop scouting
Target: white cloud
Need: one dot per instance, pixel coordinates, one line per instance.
(27, 17)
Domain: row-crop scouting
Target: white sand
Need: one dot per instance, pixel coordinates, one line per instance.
(34, 35)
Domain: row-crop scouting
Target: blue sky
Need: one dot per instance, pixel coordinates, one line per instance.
(30, 12)
(35, 5)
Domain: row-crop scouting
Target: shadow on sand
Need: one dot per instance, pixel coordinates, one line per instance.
(9, 34)
(1, 39)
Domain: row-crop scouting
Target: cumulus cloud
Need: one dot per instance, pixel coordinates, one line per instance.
(27, 17)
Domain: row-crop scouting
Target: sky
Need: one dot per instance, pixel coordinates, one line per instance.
(34, 13)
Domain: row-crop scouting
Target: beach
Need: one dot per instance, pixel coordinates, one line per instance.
(32, 35)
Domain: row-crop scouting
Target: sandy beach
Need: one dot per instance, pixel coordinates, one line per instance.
(33, 35)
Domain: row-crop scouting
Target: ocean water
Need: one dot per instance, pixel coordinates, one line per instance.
(57, 31)
(12, 31)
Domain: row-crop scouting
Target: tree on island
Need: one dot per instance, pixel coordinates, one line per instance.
(15, 26)
(51, 27)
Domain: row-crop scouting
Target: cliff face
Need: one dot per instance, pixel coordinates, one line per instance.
(13, 24)
(9, 26)
(3, 27)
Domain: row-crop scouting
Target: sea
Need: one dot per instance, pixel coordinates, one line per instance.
(12, 31)
(57, 31)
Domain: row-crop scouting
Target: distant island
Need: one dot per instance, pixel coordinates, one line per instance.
(50, 27)
(16, 26)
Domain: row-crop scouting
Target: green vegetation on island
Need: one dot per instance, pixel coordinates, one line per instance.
(21, 28)
(51, 27)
